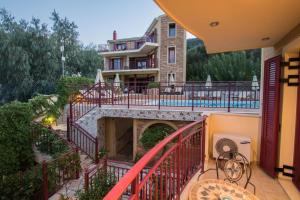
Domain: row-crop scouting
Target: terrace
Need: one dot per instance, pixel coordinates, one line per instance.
(133, 46)
(277, 145)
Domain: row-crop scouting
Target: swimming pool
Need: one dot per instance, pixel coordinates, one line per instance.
(208, 103)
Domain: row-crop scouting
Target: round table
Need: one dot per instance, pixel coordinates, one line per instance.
(215, 189)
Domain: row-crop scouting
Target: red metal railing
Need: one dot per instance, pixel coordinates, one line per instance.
(82, 139)
(84, 102)
(173, 162)
(190, 95)
(193, 95)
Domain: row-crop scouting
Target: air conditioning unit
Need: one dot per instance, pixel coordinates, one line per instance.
(226, 142)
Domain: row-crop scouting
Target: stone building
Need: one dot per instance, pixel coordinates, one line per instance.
(159, 55)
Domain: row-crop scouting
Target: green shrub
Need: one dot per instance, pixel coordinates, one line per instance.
(154, 134)
(153, 85)
(48, 142)
(16, 152)
(22, 185)
(102, 184)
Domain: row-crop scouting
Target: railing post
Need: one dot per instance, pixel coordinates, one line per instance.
(77, 170)
(68, 129)
(193, 96)
(203, 144)
(134, 188)
(178, 158)
(86, 179)
(229, 91)
(96, 151)
(159, 89)
(71, 111)
(45, 180)
(128, 91)
(99, 99)
(112, 93)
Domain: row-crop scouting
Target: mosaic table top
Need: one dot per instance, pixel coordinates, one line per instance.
(214, 189)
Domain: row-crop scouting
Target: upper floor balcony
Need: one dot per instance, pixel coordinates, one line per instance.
(139, 65)
(128, 46)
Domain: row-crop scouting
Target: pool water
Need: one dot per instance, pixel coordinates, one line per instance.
(209, 103)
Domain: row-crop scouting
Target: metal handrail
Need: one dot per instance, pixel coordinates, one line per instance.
(131, 177)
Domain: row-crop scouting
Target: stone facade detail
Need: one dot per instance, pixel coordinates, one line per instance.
(90, 121)
(179, 42)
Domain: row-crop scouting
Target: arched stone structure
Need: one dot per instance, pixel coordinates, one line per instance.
(153, 122)
(140, 125)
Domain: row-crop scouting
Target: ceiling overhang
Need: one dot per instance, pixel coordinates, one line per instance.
(241, 24)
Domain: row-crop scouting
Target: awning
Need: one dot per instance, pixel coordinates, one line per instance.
(228, 25)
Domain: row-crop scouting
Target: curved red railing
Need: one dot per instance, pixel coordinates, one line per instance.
(88, 100)
(173, 162)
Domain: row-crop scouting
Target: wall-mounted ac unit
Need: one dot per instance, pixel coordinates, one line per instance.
(227, 142)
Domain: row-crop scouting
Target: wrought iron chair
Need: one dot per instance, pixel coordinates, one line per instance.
(234, 165)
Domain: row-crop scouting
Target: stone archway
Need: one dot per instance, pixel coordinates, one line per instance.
(140, 125)
(151, 123)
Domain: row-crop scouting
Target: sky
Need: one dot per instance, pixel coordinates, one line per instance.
(96, 19)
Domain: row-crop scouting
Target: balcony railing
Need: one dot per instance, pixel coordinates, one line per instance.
(173, 162)
(128, 45)
(130, 67)
(193, 95)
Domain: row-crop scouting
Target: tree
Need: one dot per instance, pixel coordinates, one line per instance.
(30, 57)
(232, 66)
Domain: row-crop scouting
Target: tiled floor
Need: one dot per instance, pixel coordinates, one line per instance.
(266, 187)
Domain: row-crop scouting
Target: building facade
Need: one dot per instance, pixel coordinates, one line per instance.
(159, 55)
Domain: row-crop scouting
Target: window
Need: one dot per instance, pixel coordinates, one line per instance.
(116, 64)
(172, 30)
(142, 64)
(171, 55)
(120, 47)
(171, 78)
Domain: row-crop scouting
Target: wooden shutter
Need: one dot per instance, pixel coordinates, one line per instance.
(296, 178)
(270, 116)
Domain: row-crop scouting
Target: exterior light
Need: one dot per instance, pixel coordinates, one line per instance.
(265, 39)
(214, 24)
(49, 120)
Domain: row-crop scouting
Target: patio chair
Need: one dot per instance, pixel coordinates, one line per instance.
(178, 90)
(235, 166)
(168, 90)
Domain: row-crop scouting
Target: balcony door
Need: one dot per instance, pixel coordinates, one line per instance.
(296, 178)
(270, 116)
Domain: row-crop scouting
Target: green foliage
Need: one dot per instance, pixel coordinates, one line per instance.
(233, 66)
(103, 152)
(43, 105)
(138, 156)
(15, 138)
(154, 134)
(48, 142)
(63, 168)
(30, 57)
(153, 85)
(69, 85)
(102, 183)
(22, 185)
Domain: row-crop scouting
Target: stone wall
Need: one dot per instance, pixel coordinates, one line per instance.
(179, 42)
(89, 122)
